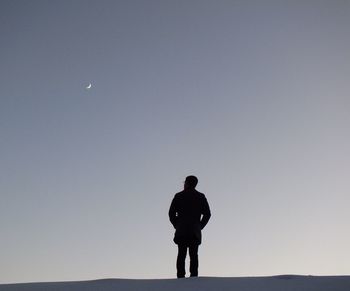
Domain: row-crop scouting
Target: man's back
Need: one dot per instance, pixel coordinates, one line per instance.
(185, 214)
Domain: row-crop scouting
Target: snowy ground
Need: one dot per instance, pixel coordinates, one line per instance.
(276, 283)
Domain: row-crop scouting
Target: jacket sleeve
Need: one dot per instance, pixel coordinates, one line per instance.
(206, 213)
(173, 213)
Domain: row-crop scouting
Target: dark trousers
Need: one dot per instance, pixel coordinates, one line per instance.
(181, 257)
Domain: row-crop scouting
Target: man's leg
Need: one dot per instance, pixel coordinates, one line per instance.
(180, 262)
(193, 250)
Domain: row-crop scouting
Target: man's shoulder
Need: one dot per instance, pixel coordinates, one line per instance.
(200, 194)
(186, 193)
(179, 194)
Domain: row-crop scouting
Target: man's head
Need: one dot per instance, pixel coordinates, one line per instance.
(191, 182)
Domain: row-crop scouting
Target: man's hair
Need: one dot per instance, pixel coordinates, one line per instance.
(191, 181)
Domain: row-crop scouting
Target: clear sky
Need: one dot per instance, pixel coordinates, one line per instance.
(250, 96)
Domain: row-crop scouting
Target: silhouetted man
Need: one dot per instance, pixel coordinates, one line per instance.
(189, 213)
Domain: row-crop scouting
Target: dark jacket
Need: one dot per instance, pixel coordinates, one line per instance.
(185, 214)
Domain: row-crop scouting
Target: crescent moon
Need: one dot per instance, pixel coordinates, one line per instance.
(88, 86)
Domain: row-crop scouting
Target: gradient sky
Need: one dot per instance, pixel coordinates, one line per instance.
(250, 96)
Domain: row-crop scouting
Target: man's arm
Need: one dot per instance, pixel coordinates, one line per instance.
(206, 213)
(172, 213)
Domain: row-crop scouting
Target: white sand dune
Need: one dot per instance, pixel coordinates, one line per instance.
(276, 283)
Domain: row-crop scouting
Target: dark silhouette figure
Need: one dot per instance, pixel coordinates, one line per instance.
(189, 213)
